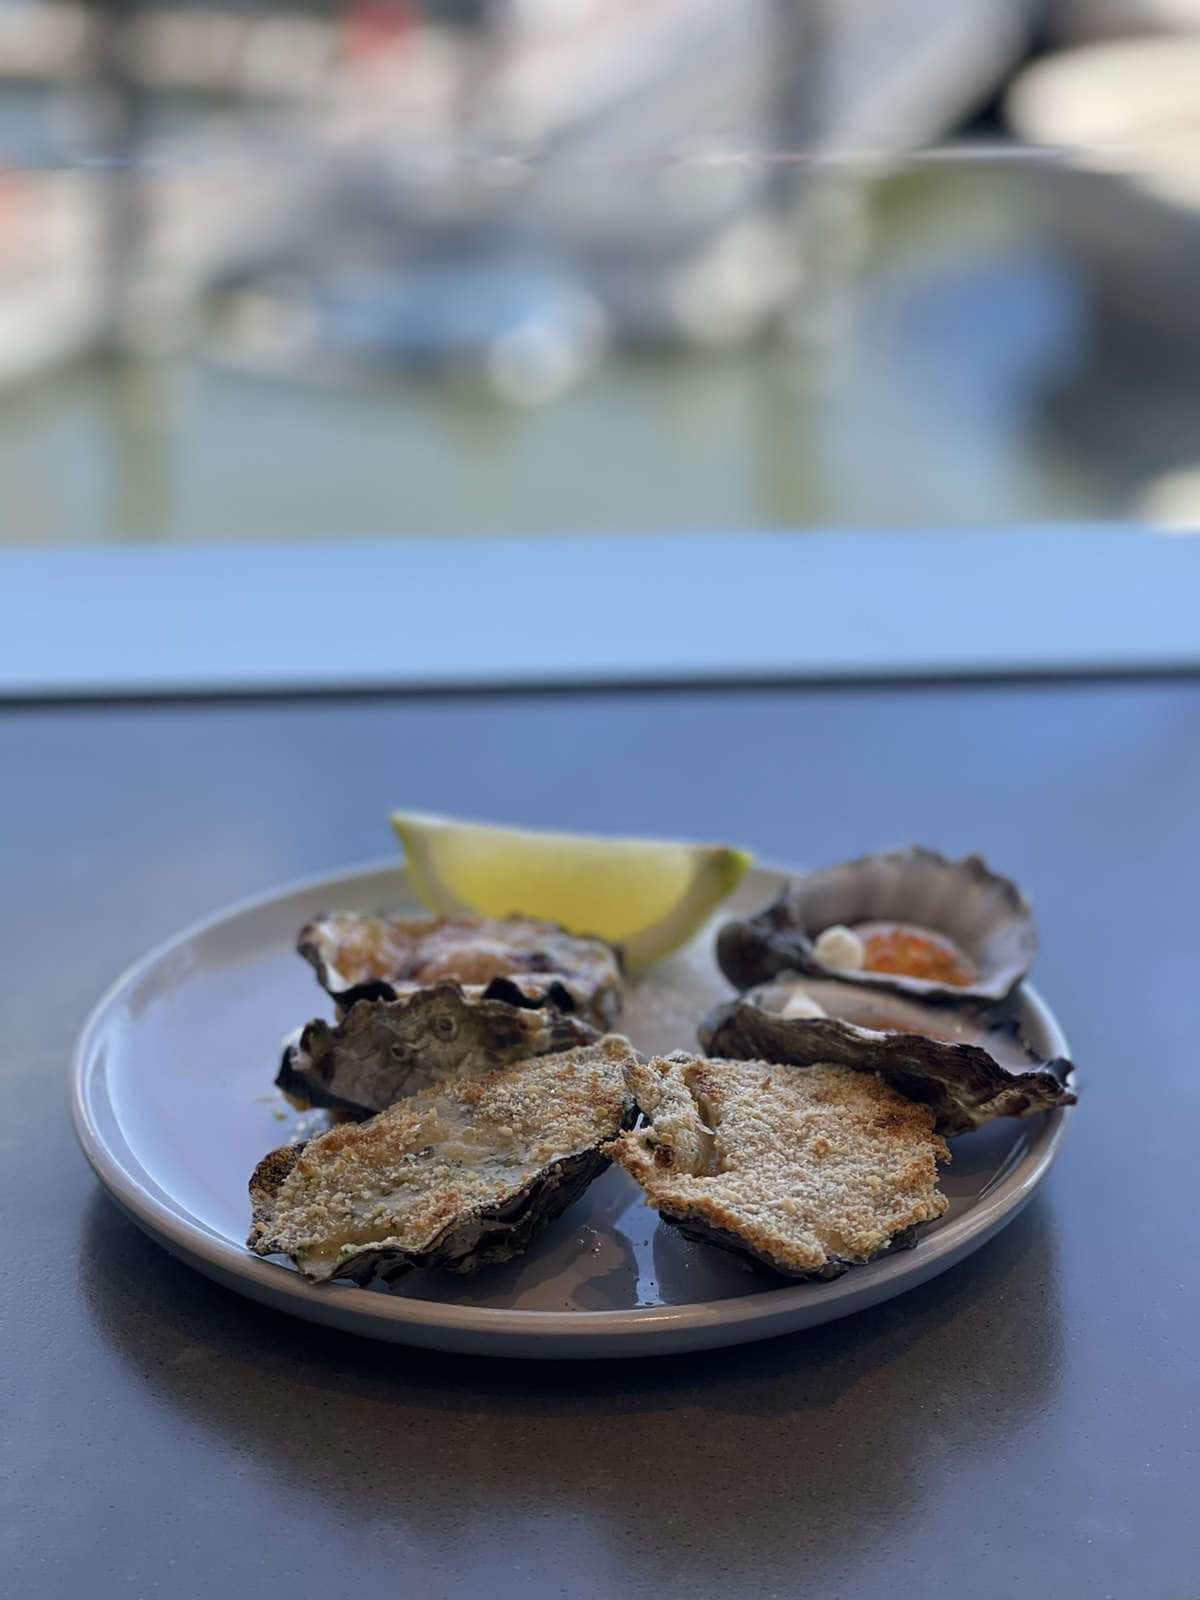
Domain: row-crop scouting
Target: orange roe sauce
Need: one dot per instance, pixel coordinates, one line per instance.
(915, 955)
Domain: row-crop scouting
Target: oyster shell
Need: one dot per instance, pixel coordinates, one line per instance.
(968, 1067)
(809, 1172)
(981, 915)
(519, 959)
(385, 1049)
(463, 1174)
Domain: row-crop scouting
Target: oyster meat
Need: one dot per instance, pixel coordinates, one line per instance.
(909, 921)
(968, 1067)
(463, 1174)
(810, 1172)
(518, 959)
(385, 1049)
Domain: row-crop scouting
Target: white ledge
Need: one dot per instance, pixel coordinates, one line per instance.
(438, 614)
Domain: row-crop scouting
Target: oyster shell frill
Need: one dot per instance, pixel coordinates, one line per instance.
(519, 959)
(383, 1050)
(464, 1174)
(808, 1172)
(968, 1068)
(978, 912)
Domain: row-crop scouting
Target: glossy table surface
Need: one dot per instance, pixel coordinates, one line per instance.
(1025, 1425)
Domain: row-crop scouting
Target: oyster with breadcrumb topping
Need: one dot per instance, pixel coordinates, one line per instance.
(809, 1172)
(463, 1174)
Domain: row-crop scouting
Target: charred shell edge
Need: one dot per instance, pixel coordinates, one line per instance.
(554, 994)
(963, 1083)
(479, 1238)
(723, 1239)
(305, 1092)
(753, 950)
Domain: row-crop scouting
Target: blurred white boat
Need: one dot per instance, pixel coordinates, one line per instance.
(1126, 115)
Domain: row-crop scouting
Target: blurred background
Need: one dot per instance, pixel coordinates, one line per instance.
(376, 268)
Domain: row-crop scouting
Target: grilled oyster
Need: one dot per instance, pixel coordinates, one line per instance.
(968, 1067)
(909, 921)
(810, 1172)
(461, 1175)
(518, 959)
(385, 1049)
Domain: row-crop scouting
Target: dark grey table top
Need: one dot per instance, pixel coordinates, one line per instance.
(1024, 1425)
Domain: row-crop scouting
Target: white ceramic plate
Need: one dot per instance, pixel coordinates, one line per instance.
(173, 1103)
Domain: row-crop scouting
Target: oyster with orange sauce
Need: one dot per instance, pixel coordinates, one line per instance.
(522, 960)
(911, 921)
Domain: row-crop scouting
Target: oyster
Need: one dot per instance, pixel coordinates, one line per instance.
(518, 959)
(810, 1172)
(968, 1067)
(951, 932)
(384, 1049)
(463, 1174)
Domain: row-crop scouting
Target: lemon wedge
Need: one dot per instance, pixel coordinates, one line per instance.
(647, 895)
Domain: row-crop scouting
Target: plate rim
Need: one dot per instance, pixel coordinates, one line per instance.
(187, 1236)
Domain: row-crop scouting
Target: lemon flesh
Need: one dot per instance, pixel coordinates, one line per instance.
(647, 895)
